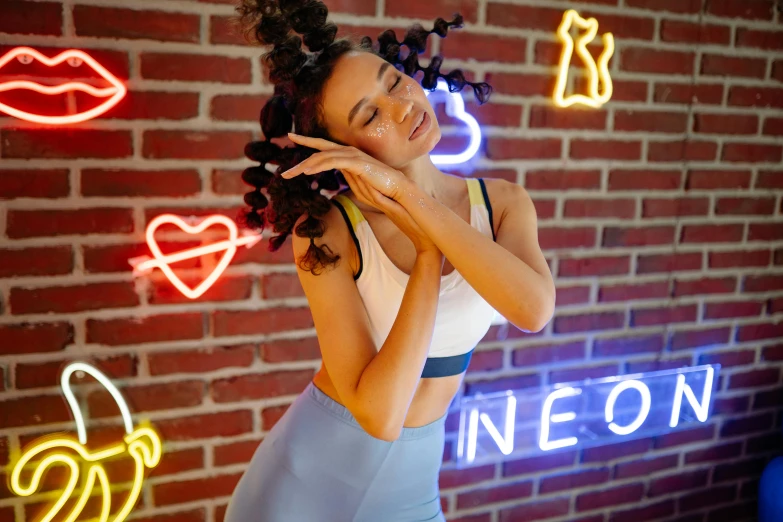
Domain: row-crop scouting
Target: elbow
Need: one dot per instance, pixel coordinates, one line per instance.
(380, 427)
(538, 319)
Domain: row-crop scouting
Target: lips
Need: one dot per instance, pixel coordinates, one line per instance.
(114, 93)
(417, 122)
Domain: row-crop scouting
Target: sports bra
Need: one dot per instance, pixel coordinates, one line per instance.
(463, 317)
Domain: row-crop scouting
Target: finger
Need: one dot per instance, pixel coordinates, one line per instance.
(357, 187)
(316, 143)
(318, 162)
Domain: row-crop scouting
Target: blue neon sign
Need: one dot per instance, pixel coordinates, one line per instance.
(455, 107)
(582, 414)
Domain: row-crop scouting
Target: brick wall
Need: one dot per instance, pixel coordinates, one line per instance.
(660, 214)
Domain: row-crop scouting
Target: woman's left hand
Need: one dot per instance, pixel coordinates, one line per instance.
(386, 180)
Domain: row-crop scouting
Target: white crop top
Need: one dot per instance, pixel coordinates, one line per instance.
(463, 316)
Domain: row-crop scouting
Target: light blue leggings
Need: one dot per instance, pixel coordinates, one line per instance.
(317, 464)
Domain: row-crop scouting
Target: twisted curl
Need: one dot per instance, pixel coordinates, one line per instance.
(297, 101)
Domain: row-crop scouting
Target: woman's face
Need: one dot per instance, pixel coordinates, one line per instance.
(372, 106)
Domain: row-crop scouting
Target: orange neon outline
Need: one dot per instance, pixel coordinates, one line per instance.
(117, 91)
(143, 264)
(594, 71)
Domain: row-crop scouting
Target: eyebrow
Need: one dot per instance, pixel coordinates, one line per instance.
(361, 102)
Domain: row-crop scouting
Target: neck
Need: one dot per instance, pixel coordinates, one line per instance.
(428, 178)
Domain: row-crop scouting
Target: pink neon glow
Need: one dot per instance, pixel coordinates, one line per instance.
(144, 264)
(115, 93)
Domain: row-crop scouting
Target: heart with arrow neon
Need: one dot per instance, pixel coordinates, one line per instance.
(192, 225)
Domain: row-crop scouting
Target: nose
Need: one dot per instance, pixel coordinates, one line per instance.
(400, 108)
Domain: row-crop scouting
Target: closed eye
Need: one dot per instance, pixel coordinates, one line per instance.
(399, 78)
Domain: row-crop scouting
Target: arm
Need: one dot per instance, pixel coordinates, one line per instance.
(511, 274)
(377, 387)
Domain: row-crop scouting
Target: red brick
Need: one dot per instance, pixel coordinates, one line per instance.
(452, 478)
(632, 292)
(605, 149)
(745, 206)
(620, 179)
(754, 378)
(674, 6)
(176, 144)
(195, 67)
(594, 266)
(22, 338)
(515, 148)
(222, 31)
(600, 208)
(156, 328)
(260, 385)
(739, 258)
(687, 32)
(686, 339)
(650, 121)
(732, 310)
(624, 346)
(686, 436)
(678, 482)
(36, 261)
(656, 263)
(69, 143)
(760, 39)
(726, 123)
(33, 411)
(588, 322)
(521, 17)
(247, 322)
(772, 126)
(610, 497)
(623, 27)
(746, 96)
(685, 93)
(717, 179)
(705, 285)
(655, 511)
(151, 105)
(637, 236)
(743, 426)
(484, 47)
(72, 299)
(151, 397)
(758, 331)
(581, 372)
(168, 493)
(728, 359)
(558, 237)
(51, 222)
(538, 510)
(690, 150)
(34, 183)
(537, 464)
(106, 22)
(655, 61)
(752, 152)
(656, 316)
(431, 10)
(145, 183)
(519, 84)
(765, 231)
(763, 282)
(572, 295)
(24, 17)
(642, 467)
(544, 117)
(548, 353)
(561, 180)
(756, 10)
(201, 360)
(479, 497)
(711, 233)
(734, 66)
(573, 480)
(673, 207)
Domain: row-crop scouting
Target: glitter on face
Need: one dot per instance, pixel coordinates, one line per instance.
(379, 130)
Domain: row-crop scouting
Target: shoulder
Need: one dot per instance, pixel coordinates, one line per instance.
(336, 236)
(505, 195)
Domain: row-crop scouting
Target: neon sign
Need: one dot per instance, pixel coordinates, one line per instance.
(142, 444)
(26, 55)
(588, 413)
(144, 264)
(455, 107)
(594, 72)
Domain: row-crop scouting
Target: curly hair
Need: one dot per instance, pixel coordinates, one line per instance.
(298, 79)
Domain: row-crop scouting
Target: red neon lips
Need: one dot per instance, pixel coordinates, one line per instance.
(113, 94)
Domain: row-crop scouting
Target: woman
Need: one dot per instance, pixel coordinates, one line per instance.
(428, 264)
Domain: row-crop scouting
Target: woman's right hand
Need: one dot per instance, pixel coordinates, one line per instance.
(367, 194)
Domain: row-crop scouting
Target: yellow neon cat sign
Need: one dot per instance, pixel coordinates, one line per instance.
(142, 444)
(594, 71)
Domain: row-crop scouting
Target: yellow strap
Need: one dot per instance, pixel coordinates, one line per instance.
(474, 190)
(354, 214)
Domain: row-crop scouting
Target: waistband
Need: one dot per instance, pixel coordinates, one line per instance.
(338, 410)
